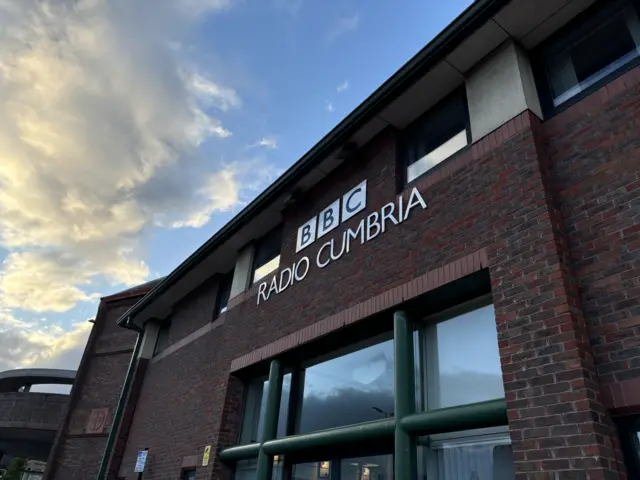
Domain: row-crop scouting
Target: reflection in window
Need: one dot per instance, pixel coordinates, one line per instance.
(437, 155)
(436, 135)
(462, 360)
(379, 467)
(267, 255)
(353, 388)
(603, 44)
(255, 408)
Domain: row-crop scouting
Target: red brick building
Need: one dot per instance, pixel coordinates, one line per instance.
(446, 286)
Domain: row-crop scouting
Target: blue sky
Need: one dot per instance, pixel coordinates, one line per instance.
(129, 134)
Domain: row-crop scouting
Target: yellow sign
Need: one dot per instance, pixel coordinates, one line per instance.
(205, 456)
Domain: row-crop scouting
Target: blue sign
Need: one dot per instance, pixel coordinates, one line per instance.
(141, 460)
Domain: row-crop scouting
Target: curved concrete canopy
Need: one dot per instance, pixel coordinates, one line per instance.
(12, 380)
(29, 422)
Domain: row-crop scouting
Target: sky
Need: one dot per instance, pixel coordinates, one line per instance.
(130, 132)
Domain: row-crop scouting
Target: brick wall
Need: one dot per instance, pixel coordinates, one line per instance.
(554, 206)
(595, 148)
(76, 452)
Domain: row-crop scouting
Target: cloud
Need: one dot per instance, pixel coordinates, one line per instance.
(341, 26)
(343, 86)
(51, 347)
(199, 7)
(43, 281)
(101, 122)
(269, 142)
(227, 189)
(329, 106)
(211, 93)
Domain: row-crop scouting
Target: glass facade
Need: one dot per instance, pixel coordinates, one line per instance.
(462, 362)
(456, 362)
(255, 407)
(352, 388)
(379, 467)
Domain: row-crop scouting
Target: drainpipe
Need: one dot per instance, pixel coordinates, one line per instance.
(111, 439)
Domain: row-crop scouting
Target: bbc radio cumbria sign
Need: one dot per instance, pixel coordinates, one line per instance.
(344, 208)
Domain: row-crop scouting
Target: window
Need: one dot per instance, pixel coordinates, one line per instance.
(598, 45)
(267, 255)
(163, 337)
(255, 405)
(437, 135)
(456, 362)
(629, 430)
(461, 365)
(353, 388)
(188, 474)
(462, 361)
(224, 292)
(379, 467)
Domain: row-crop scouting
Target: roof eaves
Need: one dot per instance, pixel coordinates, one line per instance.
(463, 26)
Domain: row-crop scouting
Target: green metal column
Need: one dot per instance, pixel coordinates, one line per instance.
(405, 461)
(270, 430)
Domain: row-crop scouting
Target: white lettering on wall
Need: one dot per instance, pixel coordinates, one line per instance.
(367, 229)
(329, 218)
(354, 201)
(306, 234)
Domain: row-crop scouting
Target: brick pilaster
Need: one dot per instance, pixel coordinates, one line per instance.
(559, 426)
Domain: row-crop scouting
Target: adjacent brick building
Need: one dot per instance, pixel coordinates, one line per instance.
(511, 145)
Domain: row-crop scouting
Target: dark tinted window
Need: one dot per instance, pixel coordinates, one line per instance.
(224, 292)
(267, 255)
(188, 475)
(437, 135)
(591, 51)
(163, 337)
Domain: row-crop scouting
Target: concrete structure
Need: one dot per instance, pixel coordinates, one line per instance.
(465, 304)
(28, 420)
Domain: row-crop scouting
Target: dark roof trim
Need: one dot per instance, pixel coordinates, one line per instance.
(455, 33)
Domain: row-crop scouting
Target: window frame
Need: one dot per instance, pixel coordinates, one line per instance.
(414, 130)
(427, 337)
(424, 444)
(276, 231)
(163, 333)
(559, 41)
(224, 289)
(629, 431)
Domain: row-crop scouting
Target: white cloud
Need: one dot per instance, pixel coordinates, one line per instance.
(341, 26)
(211, 93)
(269, 142)
(40, 281)
(329, 106)
(343, 86)
(198, 7)
(36, 346)
(99, 136)
(231, 187)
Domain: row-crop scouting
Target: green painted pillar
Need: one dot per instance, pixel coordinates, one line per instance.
(405, 461)
(270, 430)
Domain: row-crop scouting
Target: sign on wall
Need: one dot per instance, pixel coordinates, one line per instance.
(141, 461)
(353, 202)
(336, 213)
(206, 455)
